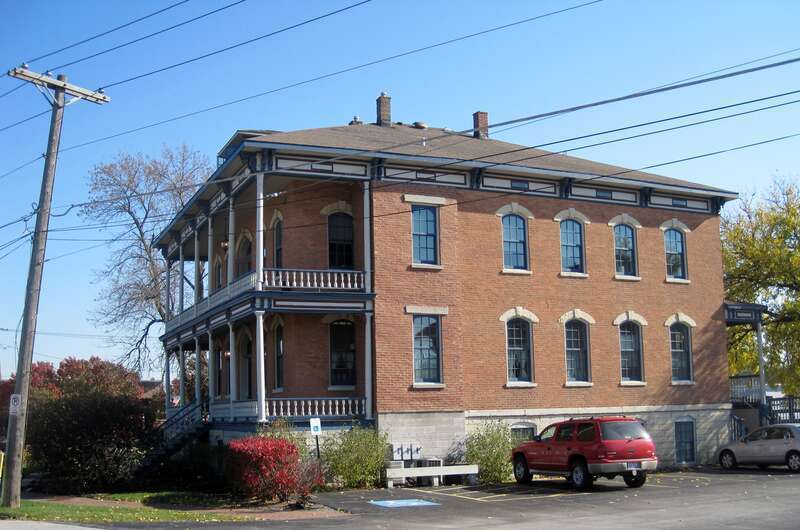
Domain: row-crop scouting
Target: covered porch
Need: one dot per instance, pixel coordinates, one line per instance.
(268, 365)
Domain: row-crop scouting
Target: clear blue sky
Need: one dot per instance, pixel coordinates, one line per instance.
(604, 50)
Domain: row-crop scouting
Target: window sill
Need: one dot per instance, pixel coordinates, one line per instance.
(632, 383)
(565, 274)
(626, 278)
(341, 388)
(578, 384)
(678, 280)
(681, 383)
(520, 384)
(522, 272)
(277, 390)
(426, 266)
(427, 386)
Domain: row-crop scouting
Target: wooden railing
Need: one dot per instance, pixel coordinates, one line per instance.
(182, 420)
(327, 407)
(238, 286)
(343, 280)
(745, 389)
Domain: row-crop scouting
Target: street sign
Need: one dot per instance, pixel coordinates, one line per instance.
(316, 426)
(13, 406)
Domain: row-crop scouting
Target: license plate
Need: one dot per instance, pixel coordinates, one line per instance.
(634, 465)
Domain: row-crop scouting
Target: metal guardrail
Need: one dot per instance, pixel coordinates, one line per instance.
(745, 389)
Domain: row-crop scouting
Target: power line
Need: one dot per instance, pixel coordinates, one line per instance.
(24, 120)
(149, 35)
(233, 46)
(71, 334)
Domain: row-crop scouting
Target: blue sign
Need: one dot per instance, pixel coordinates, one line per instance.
(403, 503)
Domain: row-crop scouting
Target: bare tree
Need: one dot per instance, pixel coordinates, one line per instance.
(135, 196)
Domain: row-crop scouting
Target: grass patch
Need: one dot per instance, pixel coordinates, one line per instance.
(182, 499)
(53, 511)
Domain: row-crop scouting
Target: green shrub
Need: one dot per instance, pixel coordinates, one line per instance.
(355, 458)
(490, 447)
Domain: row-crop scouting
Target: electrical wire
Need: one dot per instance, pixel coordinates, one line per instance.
(234, 46)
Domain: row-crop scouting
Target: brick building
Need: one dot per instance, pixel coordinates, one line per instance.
(429, 281)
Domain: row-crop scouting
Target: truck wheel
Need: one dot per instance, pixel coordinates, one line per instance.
(579, 475)
(521, 472)
(635, 481)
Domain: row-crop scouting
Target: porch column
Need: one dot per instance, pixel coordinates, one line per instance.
(261, 390)
(182, 375)
(234, 387)
(168, 385)
(231, 236)
(168, 297)
(198, 371)
(259, 230)
(210, 262)
(196, 268)
(212, 369)
(368, 365)
(367, 225)
(180, 278)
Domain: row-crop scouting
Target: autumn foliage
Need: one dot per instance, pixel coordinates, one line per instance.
(270, 468)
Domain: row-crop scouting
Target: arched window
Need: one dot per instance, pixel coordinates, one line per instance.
(577, 346)
(624, 250)
(572, 246)
(279, 356)
(680, 344)
(343, 353)
(246, 371)
(676, 253)
(518, 350)
(630, 346)
(278, 241)
(515, 243)
(340, 241)
(244, 256)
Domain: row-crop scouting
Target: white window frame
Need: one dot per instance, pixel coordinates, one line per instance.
(586, 318)
(532, 319)
(435, 206)
(581, 219)
(331, 386)
(685, 419)
(438, 313)
(675, 224)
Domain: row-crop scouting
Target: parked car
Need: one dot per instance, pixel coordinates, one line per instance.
(583, 449)
(776, 445)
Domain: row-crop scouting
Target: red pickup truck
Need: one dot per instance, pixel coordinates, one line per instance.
(583, 449)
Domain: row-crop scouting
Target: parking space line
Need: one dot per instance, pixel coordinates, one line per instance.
(537, 497)
(447, 494)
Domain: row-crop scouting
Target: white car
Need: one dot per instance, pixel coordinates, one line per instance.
(775, 445)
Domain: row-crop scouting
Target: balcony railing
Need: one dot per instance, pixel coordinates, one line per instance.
(327, 407)
(745, 389)
(275, 279)
(309, 279)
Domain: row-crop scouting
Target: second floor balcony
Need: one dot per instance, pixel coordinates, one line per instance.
(273, 279)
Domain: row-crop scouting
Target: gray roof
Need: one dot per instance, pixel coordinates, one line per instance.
(425, 142)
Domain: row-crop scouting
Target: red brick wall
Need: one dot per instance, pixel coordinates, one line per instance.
(472, 286)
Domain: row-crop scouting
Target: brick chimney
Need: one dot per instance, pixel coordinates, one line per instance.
(384, 107)
(480, 122)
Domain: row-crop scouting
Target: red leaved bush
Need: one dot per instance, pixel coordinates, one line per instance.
(269, 468)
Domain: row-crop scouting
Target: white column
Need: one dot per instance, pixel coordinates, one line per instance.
(367, 222)
(168, 297)
(180, 279)
(212, 369)
(259, 230)
(261, 390)
(182, 375)
(196, 268)
(210, 259)
(234, 387)
(368, 364)
(231, 239)
(198, 371)
(168, 385)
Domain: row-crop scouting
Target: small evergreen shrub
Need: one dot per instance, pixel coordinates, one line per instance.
(490, 447)
(355, 458)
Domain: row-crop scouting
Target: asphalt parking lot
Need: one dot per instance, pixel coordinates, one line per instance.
(708, 498)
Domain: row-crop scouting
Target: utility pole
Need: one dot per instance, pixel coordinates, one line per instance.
(18, 409)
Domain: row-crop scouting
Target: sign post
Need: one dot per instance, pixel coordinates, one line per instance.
(316, 430)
